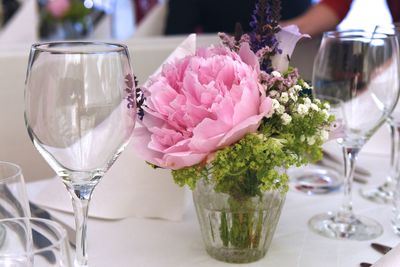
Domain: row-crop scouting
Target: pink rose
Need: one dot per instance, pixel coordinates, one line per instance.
(58, 8)
(200, 104)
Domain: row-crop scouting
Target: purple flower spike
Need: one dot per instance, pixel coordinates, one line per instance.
(265, 24)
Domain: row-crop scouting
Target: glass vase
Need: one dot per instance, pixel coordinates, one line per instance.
(237, 229)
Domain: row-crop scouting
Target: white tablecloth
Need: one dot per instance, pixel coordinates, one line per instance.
(159, 243)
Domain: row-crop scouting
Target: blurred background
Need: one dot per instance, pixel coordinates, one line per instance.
(33, 20)
(140, 24)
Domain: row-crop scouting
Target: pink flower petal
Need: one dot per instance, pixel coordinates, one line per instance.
(250, 125)
(180, 160)
(248, 56)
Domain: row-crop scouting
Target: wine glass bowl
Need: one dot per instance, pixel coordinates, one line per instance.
(361, 69)
(385, 192)
(13, 196)
(33, 242)
(79, 116)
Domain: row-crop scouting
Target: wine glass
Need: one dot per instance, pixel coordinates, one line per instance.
(384, 193)
(13, 197)
(360, 68)
(80, 114)
(19, 247)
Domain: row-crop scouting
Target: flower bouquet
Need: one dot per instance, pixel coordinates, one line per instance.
(64, 19)
(229, 120)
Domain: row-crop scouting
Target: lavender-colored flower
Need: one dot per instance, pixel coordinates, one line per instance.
(227, 40)
(134, 92)
(265, 24)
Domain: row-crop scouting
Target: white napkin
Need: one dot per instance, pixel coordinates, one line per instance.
(391, 259)
(130, 187)
(379, 144)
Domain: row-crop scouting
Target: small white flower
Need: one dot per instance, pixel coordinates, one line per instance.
(327, 106)
(317, 101)
(286, 118)
(284, 97)
(297, 88)
(302, 138)
(306, 85)
(273, 93)
(302, 109)
(275, 104)
(314, 107)
(326, 114)
(280, 109)
(307, 102)
(324, 135)
(276, 74)
(311, 140)
(293, 96)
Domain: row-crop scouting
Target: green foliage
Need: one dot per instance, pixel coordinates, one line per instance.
(76, 13)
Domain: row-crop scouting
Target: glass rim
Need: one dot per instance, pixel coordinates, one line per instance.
(60, 47)
(357, 33)
(56, 228)
(16, 174)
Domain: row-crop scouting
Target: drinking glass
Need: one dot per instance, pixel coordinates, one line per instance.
(80, 114)
(13, 197)
(384, 193)
(361, 69)
(21, 235)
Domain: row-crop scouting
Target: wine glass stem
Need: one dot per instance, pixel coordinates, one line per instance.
(81, 195)
(350, 156)
(394, 152)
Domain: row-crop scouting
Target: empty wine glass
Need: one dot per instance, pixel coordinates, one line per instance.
(361, 69)
(33, 243)
(384, 193)
(80, 114)
(13, 197)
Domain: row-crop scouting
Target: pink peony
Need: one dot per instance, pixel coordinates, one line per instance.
(199, 104)
(58, 8)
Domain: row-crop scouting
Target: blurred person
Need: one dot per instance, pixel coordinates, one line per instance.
(7, 9)
(142, 7)
(186, 16)
(327, 14)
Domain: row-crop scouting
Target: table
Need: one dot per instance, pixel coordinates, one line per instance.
(158, 243)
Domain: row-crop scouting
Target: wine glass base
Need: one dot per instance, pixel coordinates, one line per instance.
(313, 180)
(382, 194)
(357, 228)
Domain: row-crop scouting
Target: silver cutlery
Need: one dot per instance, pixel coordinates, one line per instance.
(331, 165)
(37, 211)
(38, 240)
(335, 159)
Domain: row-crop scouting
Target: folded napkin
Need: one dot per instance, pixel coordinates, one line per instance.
(391, 259)
(379, 143)
(130, 187)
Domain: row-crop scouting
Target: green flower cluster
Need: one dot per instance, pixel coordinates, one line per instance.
(291, 136)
